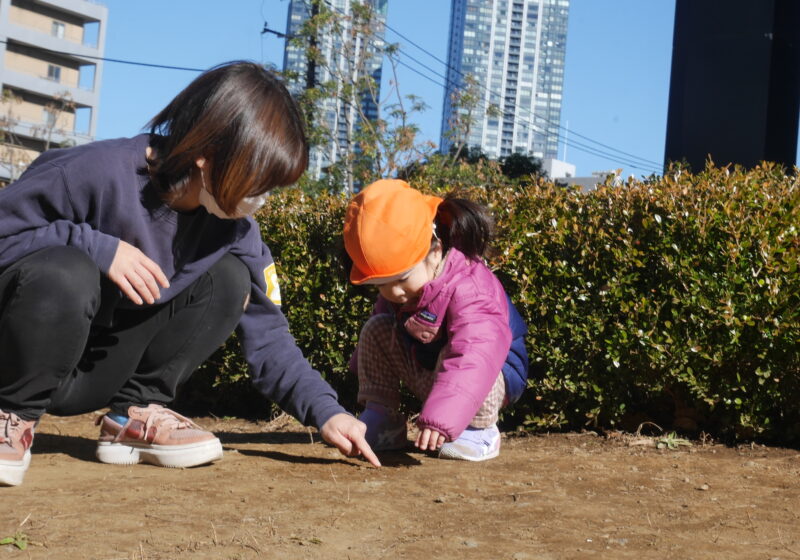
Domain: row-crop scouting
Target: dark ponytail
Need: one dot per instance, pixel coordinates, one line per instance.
(465, 225)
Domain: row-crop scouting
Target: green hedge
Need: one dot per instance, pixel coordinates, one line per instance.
(672, 300)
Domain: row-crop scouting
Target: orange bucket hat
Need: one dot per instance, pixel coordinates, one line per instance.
(388, 229)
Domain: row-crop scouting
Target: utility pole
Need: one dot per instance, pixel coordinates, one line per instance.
(311, 64)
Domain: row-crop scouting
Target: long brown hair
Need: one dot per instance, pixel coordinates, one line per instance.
(241, 118)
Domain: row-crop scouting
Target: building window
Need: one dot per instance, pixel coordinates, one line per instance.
(48, 117)
(57, 29)
(54, 72)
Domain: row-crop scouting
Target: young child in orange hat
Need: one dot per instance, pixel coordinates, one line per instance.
(442, 323)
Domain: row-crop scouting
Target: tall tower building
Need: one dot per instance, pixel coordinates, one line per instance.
(50, 73)
(346, 58)
(514, 50)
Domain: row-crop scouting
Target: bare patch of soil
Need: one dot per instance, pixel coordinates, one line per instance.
(277, 495)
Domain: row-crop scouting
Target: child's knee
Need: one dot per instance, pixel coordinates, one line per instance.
(378, 327)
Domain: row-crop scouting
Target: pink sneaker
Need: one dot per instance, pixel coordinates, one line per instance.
(158, 436)
(16, 437)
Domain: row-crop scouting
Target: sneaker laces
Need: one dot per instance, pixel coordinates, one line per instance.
(12, 425)
(482, 438)
(159, 416)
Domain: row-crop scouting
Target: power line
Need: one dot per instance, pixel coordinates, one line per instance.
(118, 60)
(535, 116)
(518, 118)
(625, 158)
(628, 160)
(644, 160)
(581, 147)
(572, 144)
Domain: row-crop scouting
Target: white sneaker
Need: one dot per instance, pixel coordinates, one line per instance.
(474, 444)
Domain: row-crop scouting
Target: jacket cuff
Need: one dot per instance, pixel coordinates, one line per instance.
(322, 414)
(105, 251)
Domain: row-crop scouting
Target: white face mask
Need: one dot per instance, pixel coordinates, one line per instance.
(247, 207)
(251, 204)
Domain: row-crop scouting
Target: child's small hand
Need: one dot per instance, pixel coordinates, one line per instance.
(429, 439)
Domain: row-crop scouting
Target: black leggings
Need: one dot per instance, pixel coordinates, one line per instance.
(66, 348)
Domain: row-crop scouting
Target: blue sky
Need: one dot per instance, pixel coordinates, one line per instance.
(616, 77)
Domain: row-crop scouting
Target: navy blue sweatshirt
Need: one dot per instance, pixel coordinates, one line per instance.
(92, 196)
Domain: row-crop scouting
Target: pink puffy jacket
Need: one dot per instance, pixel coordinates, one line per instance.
(467, 300)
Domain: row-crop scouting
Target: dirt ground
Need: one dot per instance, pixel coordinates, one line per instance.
(278, 495)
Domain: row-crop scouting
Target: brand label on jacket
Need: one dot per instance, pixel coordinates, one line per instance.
(271, 280)
(428, 316)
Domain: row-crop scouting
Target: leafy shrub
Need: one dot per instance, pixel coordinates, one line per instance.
(664, 299)
(324, 312)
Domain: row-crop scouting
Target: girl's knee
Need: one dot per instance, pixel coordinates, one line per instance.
(378, 327)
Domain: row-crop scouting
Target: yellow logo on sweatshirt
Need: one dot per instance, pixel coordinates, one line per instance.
(271, 280)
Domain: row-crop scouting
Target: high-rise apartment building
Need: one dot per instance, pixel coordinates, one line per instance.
(515, 51)
(346, 58)
(50, 71)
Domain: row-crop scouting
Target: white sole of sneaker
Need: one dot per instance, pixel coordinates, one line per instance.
(171, 456)
(12, 472)
(447, 452)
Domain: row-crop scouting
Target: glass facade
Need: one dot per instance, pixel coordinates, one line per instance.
(515, 51)
(344, 54)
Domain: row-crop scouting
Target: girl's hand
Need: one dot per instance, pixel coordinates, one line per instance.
(136, 275)
(430, 440)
